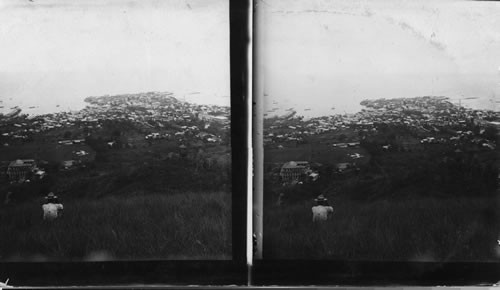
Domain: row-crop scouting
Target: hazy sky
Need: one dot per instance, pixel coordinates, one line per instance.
(60, 51)
(319, 54)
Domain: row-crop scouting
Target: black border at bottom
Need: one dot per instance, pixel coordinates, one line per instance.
(367, 273)
(124, 273)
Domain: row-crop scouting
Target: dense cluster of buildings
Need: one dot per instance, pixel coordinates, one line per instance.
(152, 106)
(152, 110)
(432, 119)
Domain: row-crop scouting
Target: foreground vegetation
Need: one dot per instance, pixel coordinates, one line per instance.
(146, 201)
(153, 226)
(429, 229)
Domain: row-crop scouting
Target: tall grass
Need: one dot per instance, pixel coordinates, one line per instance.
(154, 226)
(427, 229)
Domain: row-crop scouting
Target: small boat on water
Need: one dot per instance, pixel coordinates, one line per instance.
(14, 112)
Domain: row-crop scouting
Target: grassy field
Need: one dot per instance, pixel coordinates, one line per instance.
(426, 229)
(153, 226)
(45, 151)
(321, 153)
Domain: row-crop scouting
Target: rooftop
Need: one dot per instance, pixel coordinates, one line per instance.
(296, 164)
(22, 162)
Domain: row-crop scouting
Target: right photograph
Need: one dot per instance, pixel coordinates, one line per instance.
(380, 130)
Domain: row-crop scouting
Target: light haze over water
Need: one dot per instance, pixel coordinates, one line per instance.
(320, 55)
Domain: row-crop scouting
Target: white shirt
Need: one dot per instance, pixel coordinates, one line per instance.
(51, 210)
(320, 212)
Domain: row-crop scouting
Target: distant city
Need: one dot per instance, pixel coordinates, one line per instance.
(148, 110)
(422, 115)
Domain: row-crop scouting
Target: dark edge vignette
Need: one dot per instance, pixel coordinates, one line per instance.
(348, 273)
(370, 273)
(239, 40)
(170, 272)
(257, 131)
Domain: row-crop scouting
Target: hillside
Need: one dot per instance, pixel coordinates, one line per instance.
(126, 168)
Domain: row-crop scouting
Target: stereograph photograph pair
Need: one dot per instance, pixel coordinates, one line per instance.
(276, 142)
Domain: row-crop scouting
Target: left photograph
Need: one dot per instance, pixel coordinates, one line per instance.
(115, 132)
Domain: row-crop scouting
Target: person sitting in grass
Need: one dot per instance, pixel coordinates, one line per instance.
(52, 207)
(322, 210)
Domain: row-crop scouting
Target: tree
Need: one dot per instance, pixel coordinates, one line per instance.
(490, 133)
(116, 133)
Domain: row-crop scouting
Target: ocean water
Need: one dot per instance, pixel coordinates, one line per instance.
(279, 107)
(341, 94)
(37, 93)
